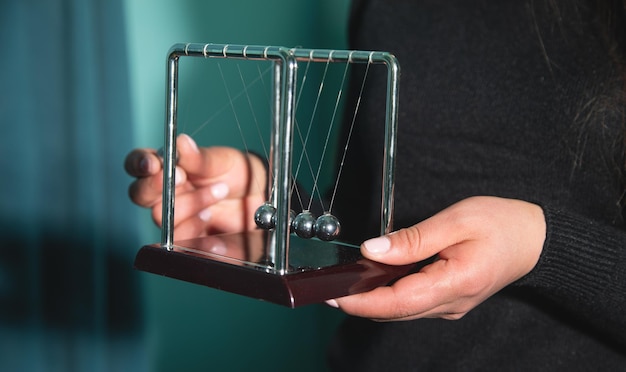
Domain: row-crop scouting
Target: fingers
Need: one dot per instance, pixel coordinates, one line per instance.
(147, 191)
(420, 241)
(207, 163)
(411, 297)
(445, 289)
(193, 203)
(244, 174)
(233, 215)
(189, 155)
(217, 189)
(190, 228)
(202, 167)
(204, 212)
(142, 163)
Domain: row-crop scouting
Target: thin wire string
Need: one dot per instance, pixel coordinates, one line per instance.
(345, 150)
(228, 105)
(253, 112)
(307, 136)
(254, 117)
(294, 185)
(266, 153)
(230, 100)
(256, 123)
(330, 128)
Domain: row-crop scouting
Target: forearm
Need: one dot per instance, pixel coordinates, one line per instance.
(583, 268)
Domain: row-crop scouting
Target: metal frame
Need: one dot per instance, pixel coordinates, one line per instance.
(278, 240)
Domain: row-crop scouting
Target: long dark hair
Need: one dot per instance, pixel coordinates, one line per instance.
(612, 21)
(609, 17)
(612, 18)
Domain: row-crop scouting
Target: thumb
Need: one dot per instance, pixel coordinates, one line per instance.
(204, 163)
(398, 248)
(415, 243)
(244, 175)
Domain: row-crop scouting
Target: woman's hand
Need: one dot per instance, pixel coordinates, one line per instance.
(217, 189)
(482, 244)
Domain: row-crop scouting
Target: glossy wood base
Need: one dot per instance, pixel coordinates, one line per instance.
(237, 263)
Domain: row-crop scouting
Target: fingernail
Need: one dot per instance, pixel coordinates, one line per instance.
(332, 303)
(378, 245)
(178, 177)
(219, 190)
(192, 144)
(205, 214)
(144, 165)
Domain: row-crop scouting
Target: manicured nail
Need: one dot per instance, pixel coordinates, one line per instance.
(144, 165)
(192, 144)
(179, 179)
(219, 190)
(332, 303)
(378, 245)
(205, 214)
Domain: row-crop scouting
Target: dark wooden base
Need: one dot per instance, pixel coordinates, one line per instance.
(236, 263)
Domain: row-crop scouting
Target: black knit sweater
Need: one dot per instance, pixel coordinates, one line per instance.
(509, 98)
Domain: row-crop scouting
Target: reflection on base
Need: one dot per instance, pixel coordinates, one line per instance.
(237, 263)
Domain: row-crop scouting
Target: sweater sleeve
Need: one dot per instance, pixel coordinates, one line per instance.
(583, 268)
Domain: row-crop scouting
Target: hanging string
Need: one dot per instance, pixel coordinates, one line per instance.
(294, 185)
(228, 105)
(308, 133)
(345, 150)
(252, 111)
(339, 94)
(230, 100)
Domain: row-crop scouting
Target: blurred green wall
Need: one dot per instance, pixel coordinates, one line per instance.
(192, 328)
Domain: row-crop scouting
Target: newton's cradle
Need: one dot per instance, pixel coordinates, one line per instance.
(290, 259)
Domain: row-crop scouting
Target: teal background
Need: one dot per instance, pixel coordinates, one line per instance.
(83, 84)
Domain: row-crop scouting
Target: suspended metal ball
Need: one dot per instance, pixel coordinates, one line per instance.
(304, 225)
(327, 227)
(264, 217)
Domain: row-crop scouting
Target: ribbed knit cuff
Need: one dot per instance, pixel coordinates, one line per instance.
(578, 256)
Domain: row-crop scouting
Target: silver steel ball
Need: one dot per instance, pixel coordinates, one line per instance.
(327, 227)
(304, 225)
(264, 217)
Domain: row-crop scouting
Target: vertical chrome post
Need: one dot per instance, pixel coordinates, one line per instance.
(391, 129)
(169, 156)
(275, 245)
(281, 157)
